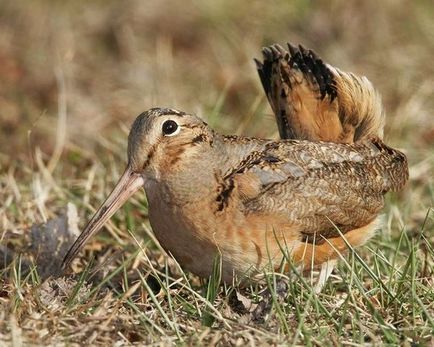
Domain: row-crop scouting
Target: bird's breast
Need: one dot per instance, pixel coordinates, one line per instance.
(195, 234)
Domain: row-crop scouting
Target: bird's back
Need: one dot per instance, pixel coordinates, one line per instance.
(319, 185)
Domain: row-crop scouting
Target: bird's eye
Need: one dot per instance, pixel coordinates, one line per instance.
(170, 128)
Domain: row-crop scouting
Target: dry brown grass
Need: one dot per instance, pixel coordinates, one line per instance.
(75, 74)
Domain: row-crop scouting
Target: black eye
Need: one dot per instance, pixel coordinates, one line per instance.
(170, 127)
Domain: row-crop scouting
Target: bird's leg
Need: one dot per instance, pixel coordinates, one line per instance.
(324, 274)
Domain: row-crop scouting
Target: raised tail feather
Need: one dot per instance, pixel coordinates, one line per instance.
(315, 101)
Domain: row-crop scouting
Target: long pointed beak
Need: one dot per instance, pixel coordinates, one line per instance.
(127, 185)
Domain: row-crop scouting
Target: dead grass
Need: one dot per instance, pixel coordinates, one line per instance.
(74, 76)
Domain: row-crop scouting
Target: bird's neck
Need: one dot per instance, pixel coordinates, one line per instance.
(199, 169)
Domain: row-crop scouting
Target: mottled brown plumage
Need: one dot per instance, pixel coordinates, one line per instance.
(248, 199)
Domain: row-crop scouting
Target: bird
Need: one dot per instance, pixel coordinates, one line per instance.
(305, 198)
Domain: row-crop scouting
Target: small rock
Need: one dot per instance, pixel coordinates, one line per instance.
(50, 242)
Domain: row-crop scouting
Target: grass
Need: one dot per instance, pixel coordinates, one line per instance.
(74, 76)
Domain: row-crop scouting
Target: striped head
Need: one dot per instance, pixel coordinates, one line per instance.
(160, 137)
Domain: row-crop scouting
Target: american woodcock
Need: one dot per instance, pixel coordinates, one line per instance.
(248, 199)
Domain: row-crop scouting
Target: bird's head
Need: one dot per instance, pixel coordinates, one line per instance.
(158, 138)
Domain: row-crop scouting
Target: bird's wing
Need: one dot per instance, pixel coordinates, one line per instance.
(319, 184)
(314, 101)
